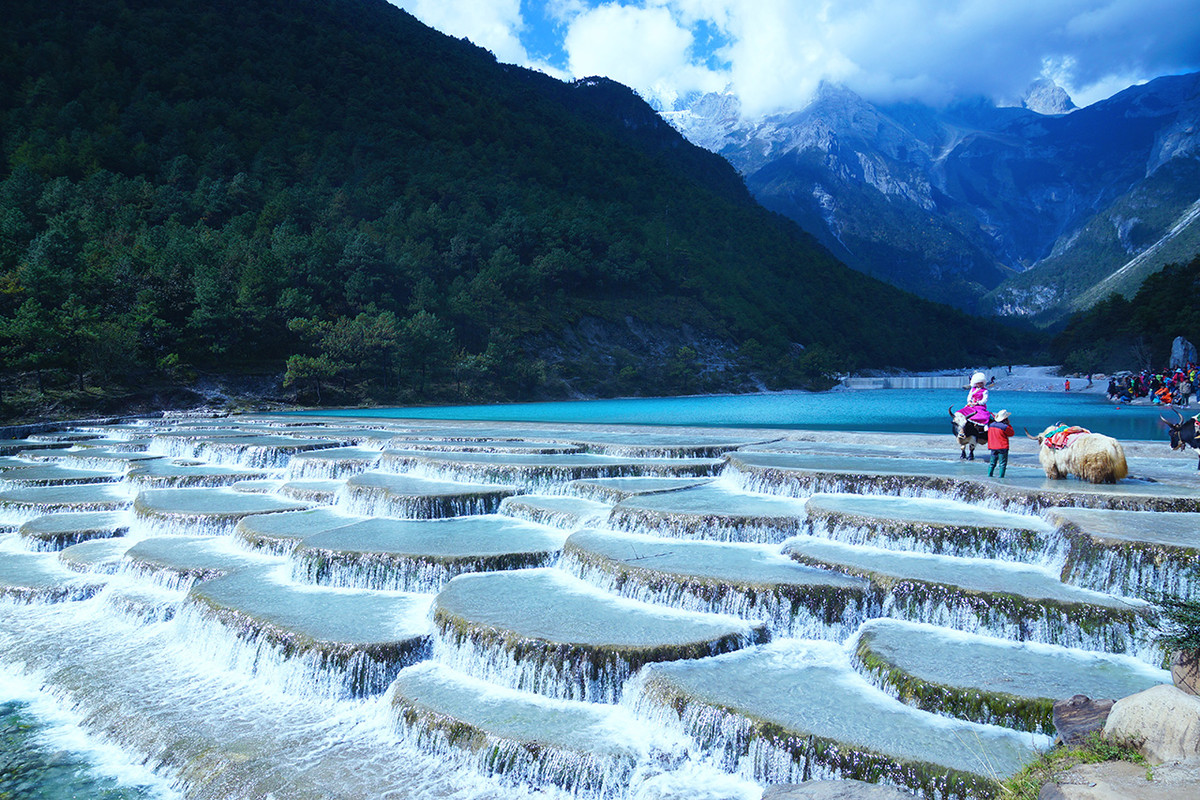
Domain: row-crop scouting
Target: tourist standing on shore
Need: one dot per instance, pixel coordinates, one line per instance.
(999, 432)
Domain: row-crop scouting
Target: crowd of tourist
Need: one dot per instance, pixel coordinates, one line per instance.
(1169, 387)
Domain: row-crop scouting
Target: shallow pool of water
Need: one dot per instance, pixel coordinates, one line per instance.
(895, 410)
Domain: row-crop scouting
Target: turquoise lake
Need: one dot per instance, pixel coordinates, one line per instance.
(896, 410)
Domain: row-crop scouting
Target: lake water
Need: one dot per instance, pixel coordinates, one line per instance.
(895, 410)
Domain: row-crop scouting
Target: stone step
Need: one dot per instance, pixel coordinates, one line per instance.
(1139, 553)
(177, 562)
(212, 511)
(164, 473)
(421, 555)
(103, 556)
(559, 511)
(311, 639)
(146, 604)
(1012, 601)
(279, 534)
(711, 511)
(258, 486)
(1023, 489)
(54, 475)
(646, 445)
(542, 630)
(237, 448)
(990, 680)
(11, 447)
(35, 501)
(539, 472)
(334, 462)
(42, 578)
(107, 459)
(796, 710)
(57, 531)
(317, 492)
(581, 748)
(484, 446)
(746, 580)
(387, 494)
(614, 490)
(933, 525)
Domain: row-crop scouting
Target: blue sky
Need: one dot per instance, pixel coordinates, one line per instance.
(774, 53)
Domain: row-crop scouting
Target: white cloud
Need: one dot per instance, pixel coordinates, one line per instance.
(496, 25)
(493, 24)
(643, 47)
(775, 53)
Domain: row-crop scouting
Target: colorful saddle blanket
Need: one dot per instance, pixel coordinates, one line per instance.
(1061, 437)
(977, 414)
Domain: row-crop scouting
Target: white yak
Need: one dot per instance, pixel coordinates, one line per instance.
(1088, 456)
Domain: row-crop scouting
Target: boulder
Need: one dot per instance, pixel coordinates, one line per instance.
(1182, 351)
(1165, 719)
(1078, 716)
(1185, 671)
(836, 790)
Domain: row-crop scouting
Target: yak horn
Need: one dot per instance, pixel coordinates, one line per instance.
(1030, 435)
(1176, 410)
(951, 410)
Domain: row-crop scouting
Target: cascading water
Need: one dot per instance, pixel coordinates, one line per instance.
(424, 638)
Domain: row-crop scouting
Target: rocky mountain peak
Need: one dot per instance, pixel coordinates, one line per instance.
(1044, 96)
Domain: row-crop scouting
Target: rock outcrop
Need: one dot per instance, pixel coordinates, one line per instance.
(1166, 721)
(1077, 717)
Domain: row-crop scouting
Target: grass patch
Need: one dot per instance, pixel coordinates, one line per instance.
(1027, 783)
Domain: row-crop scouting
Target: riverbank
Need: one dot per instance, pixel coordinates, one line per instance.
(1015, 378)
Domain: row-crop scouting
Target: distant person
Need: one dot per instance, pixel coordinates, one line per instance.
(1067, 385)
(992, 381)
(999, 432)
(977, 397)
(1010, 369)
(1185, 392)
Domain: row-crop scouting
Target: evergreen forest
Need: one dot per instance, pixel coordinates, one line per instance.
(329, 200)
(1135, 333)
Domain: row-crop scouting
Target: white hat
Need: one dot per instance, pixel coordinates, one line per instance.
(1002, 415)
(978, 378)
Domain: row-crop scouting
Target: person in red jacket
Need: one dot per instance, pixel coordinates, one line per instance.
(999, 431)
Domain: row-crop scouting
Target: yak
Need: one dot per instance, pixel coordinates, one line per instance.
(1182, 435)
(1091, 457)
(968, 433)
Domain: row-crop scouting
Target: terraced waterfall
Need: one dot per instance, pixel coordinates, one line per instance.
(261, 607)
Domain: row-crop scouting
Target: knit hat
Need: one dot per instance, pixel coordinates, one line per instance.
(1002, 415)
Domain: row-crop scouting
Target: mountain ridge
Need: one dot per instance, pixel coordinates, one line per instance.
(971, 204)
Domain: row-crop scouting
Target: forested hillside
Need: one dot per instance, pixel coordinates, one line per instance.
(331, 188)
(1134, 334)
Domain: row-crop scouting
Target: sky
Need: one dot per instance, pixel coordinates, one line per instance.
(773, 54)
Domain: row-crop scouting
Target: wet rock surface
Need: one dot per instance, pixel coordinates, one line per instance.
(1079, 716)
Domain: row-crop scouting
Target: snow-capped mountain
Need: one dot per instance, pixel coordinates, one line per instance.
(1013, 210)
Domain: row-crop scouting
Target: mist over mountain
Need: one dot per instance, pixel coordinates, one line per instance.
(1031, 211)
(332, 193)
